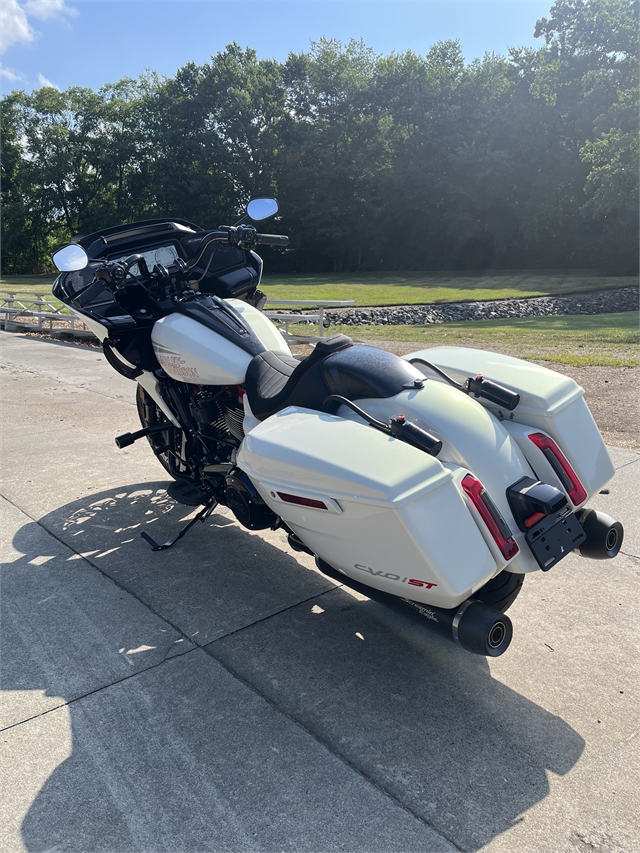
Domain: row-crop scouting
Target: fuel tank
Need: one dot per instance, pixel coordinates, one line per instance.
(190, 352)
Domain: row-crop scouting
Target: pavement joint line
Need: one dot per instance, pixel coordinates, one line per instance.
(627, 554)
(268, 616)
(147, 606)
(626, 464)
(233, 673)
(103, 573)
(343, 759)
(101, 688)
(41, 375)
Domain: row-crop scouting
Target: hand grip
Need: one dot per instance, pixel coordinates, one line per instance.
(89, 293)
(485, 388)
(403, 429)
(272, 239)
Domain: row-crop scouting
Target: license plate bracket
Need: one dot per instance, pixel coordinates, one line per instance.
(555, 536)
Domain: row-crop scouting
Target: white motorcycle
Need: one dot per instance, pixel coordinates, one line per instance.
(432, 483)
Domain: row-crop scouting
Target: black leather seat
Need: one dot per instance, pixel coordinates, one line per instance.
(275, 381)
(335, 366)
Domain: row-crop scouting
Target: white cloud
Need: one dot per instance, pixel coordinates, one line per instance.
(9, 74)
(46, 9)
(14, 26)
(43, 82)
(14, 23)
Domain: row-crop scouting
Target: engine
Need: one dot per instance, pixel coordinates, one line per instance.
(218, 411)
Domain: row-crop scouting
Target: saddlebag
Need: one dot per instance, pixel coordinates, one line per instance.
(370, 505)
(550, 403)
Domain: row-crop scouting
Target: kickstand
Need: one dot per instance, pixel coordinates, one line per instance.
(205, 512)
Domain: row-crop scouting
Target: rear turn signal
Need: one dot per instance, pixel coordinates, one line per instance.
(491, 516)
(560, 464)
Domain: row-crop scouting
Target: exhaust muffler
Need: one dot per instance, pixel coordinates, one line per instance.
(472, 625)
(604, 535)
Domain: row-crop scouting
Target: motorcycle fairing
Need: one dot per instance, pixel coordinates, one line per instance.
(135, 232)
(402, 517)
(226, 271)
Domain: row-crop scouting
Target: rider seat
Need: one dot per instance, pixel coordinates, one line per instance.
(275, 381)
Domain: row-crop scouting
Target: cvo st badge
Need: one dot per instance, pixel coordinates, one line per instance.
(390, 576)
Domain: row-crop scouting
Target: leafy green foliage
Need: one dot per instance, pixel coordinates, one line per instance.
(402, 162)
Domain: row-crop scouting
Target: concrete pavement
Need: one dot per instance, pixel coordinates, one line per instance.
(224, 695)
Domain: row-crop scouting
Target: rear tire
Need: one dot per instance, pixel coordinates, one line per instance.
(150, 414)
(500, 592)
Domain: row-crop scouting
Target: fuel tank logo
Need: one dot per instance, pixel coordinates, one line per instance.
(392, 577)
(176, 365)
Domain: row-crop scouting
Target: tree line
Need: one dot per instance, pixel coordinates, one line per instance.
(379, 162)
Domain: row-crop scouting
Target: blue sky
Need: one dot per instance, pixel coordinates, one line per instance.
(93, 42)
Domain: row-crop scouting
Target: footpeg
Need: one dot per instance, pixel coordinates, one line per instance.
(187, 492)
(128, 438)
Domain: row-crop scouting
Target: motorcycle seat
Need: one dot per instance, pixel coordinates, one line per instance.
(275, 381)
(336, 366)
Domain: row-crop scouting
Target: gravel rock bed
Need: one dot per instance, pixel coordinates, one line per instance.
(598, 302)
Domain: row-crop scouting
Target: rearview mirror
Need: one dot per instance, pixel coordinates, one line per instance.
(70, 258)
(262, 208)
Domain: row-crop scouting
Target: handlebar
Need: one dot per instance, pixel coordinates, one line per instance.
(89, 293)
(109, 276)
(243, 236)
(112, 276)
(272, 239)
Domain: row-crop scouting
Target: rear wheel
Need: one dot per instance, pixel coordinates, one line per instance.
(161, 442)
(500, 592)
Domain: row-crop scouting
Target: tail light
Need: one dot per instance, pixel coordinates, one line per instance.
(560, 464)
(298, 499)
(491, 515)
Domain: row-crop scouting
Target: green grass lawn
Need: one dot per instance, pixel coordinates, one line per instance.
(611, 340)
(603, 339)
(27, 283)
(428, 287)
(404, 288)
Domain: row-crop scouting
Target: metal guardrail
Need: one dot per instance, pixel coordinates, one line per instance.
(290, 318)
(42, 313)
(37, 312)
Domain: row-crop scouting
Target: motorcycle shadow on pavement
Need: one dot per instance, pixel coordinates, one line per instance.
(421, 719)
